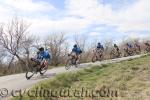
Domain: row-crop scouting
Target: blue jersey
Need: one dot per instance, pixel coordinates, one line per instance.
(44, 55)
(77, 50)
(100, 47)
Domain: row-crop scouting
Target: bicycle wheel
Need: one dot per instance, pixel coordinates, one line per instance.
(43, 69)
(101, 57)
(75, 63)
(94, 58)
(112, 56)
(68, 64)
(31, 72)
(119, 54)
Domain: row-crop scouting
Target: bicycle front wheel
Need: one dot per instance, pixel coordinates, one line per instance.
(112, 56)
(68, 64)
(94, 58)
(30, 72)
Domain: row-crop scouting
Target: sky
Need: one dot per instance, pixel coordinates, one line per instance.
(95, 19)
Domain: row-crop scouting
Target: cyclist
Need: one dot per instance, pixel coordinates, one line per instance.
(137, 46)
(129, 46)
(99, 50)
(129, 49)
(147, 44)
(42, 56)
(99, 47)
(116, 47)
(76, 52)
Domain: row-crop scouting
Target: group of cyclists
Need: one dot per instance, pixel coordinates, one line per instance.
(45, 56)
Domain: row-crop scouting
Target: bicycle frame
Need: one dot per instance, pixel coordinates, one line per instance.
(71, 61)
(98, 55)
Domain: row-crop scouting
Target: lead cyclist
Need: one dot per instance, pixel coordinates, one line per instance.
(43, 57)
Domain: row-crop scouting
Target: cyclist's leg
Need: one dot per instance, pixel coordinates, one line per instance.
(45, 62)
(98, 53)
(78, 57)
(127, 51)
(74, 56)
(42, 63)
(102, 52)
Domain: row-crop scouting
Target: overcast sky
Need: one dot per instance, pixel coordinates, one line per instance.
(97, 19)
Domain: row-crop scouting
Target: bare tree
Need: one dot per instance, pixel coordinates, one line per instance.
(2, 55)
(14, 40)
(58, 47)
(37, 42)
(80, 40)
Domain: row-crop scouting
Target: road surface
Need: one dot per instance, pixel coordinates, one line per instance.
(18, 81)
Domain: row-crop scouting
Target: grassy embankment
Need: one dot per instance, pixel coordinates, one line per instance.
(126, 80)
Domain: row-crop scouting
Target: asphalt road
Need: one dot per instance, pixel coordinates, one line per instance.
(18, 81)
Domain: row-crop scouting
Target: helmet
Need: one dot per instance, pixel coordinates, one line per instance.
(99, 43)
(115, 45)
(41, 49)
(75, 45)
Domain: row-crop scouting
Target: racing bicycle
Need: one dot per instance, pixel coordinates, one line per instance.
(71, 61)
(98, 55)
(36, 67)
